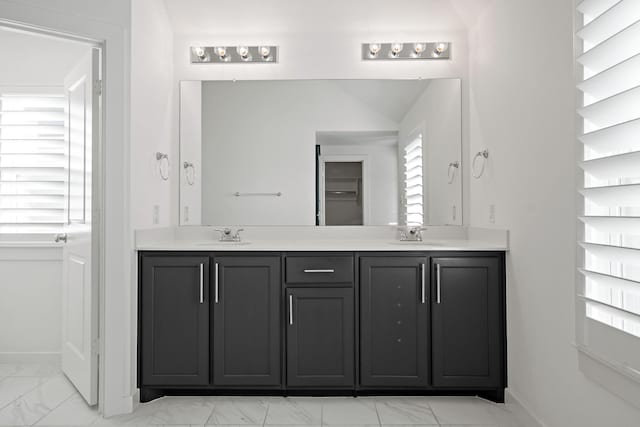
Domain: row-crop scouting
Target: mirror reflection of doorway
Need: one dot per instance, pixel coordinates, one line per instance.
(343, 193)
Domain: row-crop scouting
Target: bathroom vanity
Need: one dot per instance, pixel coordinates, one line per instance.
(304, 309)
(378, 318)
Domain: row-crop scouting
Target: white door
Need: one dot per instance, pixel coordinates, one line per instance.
(80, 254)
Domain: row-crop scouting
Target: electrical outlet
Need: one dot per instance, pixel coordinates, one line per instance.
(156, 214)
(492, 214)
(185, 215)
(453, 212)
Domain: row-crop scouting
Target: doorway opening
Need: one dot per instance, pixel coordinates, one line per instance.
(50, 191)
(343, 193)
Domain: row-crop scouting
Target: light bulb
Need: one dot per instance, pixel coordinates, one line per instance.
(441, 48)
(265, 51)
(396, 48)
(418, 48)
(221, 51)
(374, 48)
(243, 51)
(199, 52)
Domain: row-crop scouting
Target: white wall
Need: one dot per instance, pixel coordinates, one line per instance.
(262, 138)
(382, 171)
(522, 110)
(437, 115)
(153, 115)
(30, 303)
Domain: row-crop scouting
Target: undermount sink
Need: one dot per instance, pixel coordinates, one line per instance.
(221, 243)
(418, 243)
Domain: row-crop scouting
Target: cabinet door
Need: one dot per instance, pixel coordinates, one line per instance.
(174, 321)
(467, 322)
(320, 337)
(246, 321)
(394, 326)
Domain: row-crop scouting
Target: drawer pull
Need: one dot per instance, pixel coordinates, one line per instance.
(328, 270)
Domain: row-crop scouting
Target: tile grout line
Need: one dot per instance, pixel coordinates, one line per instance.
(375, 406)
(266, 414)
(23, 394)
(56, 407)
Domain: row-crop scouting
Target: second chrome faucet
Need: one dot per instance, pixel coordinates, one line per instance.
(228, 235)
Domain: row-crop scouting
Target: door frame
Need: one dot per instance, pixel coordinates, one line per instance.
(366, 183)
(98, 251)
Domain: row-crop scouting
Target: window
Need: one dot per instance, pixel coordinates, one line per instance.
(414, 209)
(608, 300)
(33, 177)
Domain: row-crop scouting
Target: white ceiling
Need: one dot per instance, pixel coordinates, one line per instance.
(288, 16)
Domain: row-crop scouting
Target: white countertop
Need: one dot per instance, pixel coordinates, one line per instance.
(292, 245)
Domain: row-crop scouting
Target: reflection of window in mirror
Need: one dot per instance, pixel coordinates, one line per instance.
(414, 209)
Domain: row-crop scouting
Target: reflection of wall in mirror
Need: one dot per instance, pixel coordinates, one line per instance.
(260, 137)
(437, 116)
(190, 151)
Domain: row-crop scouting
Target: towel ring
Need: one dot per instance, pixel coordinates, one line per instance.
(163, 159)
(451, 172)
(191, 177)
(483, 155)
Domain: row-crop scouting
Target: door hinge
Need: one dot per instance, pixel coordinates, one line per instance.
(95, 346)
(98, 87)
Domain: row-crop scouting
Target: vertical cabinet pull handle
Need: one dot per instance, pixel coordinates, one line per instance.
(216, 284)
(423, 268)
(291, 309)
(438, 283)
(201, 283)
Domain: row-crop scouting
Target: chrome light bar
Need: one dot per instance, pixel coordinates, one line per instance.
(410, 50)
(233, 54)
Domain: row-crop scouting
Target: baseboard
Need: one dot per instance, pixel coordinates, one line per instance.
(45, 358)
(524, 416)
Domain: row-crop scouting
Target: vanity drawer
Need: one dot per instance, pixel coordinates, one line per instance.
(319, 269)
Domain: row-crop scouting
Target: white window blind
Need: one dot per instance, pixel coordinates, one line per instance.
(413, 182)
(609, 290)
(33, 171)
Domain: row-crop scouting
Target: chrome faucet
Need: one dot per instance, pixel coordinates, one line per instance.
(411, 233)
(227, 234)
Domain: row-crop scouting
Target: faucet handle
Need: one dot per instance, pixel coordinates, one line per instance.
(237, 235)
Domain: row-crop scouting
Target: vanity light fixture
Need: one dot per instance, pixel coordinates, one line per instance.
(243, 51)
(413, 50)
(396, 48)
(374, 48)
(221, 51)
(238, 54)
(199, 52)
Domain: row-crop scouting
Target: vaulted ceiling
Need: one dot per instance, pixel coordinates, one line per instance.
(286, 16)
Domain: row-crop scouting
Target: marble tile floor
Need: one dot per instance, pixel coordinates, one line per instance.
(42, 396)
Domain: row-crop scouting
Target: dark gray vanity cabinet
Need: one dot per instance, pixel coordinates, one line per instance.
(394, 325)
(246, 321)
(320, 320)
(410, 322)
(320, 337)
(174, 321)
(468, 333)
